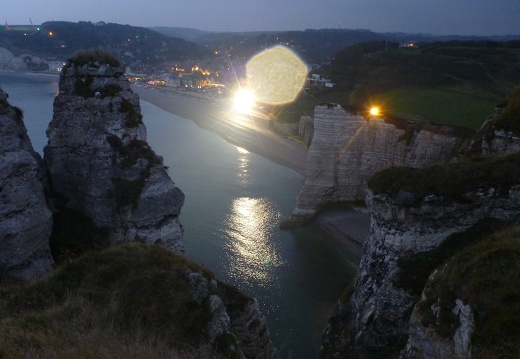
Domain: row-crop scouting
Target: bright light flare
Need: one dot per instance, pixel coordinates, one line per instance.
(374, 111)
(244, 101)
(276, 75)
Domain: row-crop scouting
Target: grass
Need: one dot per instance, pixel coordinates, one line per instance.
(423, 104)
(509, 119)
(96, 57)
(486, 276)
(131, 301)
(409, 186)
(436, 106)
(415, 269)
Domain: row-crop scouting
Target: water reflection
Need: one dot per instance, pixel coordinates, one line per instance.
(243, 166)
(249, 228)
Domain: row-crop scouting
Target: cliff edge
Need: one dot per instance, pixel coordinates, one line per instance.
(421, 220)
(347, 149)
(25, 220)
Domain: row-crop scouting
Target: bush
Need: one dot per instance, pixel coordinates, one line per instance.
(96, 58)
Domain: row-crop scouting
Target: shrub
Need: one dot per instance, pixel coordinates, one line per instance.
(96, 58)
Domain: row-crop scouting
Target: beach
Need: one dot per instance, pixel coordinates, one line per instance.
(349, 227)
(217, 115)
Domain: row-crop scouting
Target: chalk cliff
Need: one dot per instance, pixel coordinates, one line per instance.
(347, 149)
(25, 220)
(420, 219)
(104, 177)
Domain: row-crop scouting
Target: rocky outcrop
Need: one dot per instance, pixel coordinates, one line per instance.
(247, 323)
(6, 59)
(24, 62)
(103, 174)
(381, 315)
(25, 220)
(496, 138)
(306, 129)
(348, 149)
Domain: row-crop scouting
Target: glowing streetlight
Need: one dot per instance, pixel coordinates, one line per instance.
(374, 111)
(244, 101)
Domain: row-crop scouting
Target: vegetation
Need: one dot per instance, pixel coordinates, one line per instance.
(82, 87)
(456, 83)
(436, 105)
(484, 275)
(61, 39)
(415, 269)
(132, 298)
(134, 117)
(409, 186)
(509, 119)
(94, 58)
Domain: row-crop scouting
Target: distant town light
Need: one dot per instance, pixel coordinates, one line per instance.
(374, 111)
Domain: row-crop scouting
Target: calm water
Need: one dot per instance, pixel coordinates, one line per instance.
(234, 203)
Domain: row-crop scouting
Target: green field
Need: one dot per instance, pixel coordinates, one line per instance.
(437, 106)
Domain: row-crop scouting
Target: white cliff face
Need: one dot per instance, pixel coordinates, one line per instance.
(6, 59)
(502, 142)
(381, 315)
(425, 343)
(348, 149)
(25, 220)
(101, 166)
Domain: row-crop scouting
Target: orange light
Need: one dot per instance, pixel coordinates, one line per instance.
(374, 111)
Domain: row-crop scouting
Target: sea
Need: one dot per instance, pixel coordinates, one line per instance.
(235, 201)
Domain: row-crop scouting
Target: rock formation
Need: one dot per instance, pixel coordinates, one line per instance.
(25, 220)
(415, 213)
(347, 149)
(6, 59)
(104, 177)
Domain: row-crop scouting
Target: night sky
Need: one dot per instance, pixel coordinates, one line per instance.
(439, 17)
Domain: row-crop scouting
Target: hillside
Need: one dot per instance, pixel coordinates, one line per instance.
(131, 301)
(458, 83)
(61, 39)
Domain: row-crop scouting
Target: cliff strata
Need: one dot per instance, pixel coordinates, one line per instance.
(25, 220)
(104, 177)
(419, 220)
(347, 149)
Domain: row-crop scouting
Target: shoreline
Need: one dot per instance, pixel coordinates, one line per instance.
(216, 115)
(349, 227)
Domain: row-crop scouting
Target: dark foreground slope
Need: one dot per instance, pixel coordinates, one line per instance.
(131, 301)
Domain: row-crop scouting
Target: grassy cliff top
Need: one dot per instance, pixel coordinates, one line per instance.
(485, 276)
(509, 119)
(131, 301)
(101, 57)
(409, 186)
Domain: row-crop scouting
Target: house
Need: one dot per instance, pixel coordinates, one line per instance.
(319, 80)
(408, 44)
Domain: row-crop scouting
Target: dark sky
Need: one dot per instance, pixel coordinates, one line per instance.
(440, 17)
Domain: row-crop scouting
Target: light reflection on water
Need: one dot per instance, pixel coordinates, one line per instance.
(242, 168)
(252, 255)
